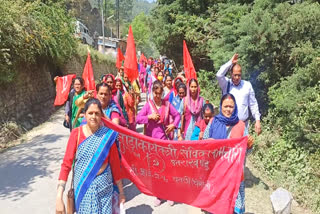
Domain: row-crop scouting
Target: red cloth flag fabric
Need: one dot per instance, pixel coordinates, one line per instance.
(143, 58)
(130, 62)
(87, 75)
(63, 88)
(120, 58)
(204, 174)
(189, 69)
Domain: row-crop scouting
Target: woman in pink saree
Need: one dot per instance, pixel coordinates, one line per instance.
(190, 109)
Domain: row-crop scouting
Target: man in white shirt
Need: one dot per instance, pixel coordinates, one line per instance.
(242, 91)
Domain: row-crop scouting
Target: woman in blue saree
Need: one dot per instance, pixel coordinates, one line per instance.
(227, 125)
(93, 151)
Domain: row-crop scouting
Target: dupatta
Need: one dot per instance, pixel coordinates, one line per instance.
(90, 156)
(167, 96)
(74, 119)
(112, 107)
(218, 127)
(164, 116)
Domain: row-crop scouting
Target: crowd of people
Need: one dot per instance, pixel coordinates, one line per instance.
(174, 110)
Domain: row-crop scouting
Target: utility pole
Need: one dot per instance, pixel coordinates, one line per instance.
(118, 19)
(102, 23)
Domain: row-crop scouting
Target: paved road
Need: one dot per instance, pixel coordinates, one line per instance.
(29, 173)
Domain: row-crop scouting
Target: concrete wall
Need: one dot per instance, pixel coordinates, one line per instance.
(28, 100)
(76, 65)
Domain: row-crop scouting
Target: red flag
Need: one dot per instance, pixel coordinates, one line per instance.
(120, 58)
(189, 69)
(63, 88)
(142, 58)
(87, 75)
(130, 62)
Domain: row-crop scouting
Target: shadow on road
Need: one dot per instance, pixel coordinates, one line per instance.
(130, 190)
(251, 180)
(141, 209)
(20, 165)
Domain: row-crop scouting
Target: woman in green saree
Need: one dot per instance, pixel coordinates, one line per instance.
(73, 112)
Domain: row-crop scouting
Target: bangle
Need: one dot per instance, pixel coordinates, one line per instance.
(61, 185)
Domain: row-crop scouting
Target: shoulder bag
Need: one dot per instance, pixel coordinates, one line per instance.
(70, 196)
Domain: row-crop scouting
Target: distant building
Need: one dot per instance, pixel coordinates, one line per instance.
(111, 45)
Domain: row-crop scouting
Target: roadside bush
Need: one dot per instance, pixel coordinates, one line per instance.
(30, 30)
(9, 131)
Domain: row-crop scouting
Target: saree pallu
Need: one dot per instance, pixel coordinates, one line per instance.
(164, 116)
(112, 107)
(176, 101)
(76, 122)
(93, 194)
(168, 95)
(118, 99)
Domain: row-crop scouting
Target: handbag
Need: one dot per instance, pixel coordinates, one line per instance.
(66, 124)
(70, 196)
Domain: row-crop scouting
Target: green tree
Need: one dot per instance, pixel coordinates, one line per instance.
(142, 35)
(33, 30)
(174, 21)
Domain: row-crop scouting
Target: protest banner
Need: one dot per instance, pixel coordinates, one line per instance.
(204, 174)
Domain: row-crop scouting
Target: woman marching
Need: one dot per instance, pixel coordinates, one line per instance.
(73, 112)
(118, 98)
(181, 93)
(93, 151)
(168, 89)
(109, 107)
(204, 124)
(155, 114)
(142, 75)
(177, 100)
(227, 125)
(190, 109)
(129, 103)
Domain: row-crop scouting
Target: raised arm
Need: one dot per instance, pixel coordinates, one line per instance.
(221, 74)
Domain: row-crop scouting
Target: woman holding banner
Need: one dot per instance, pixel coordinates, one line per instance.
(227, 125)
(93, 151)
(155, 115)
(190, 109)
